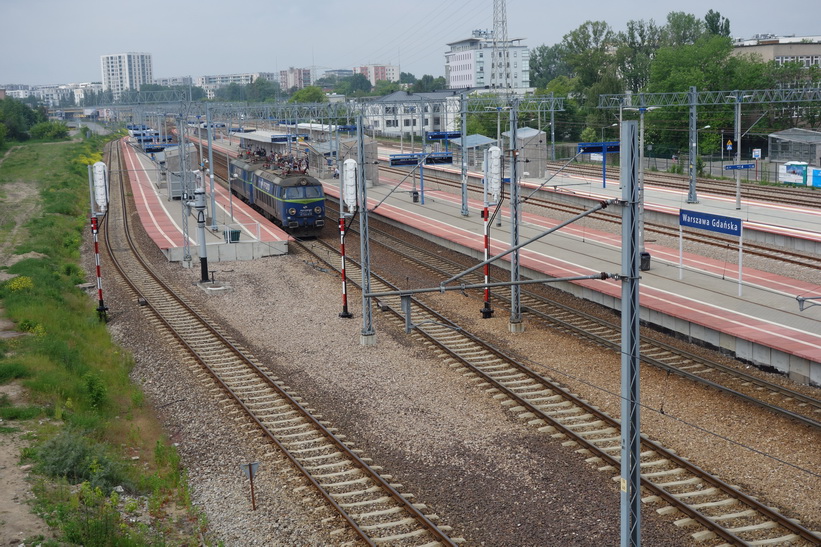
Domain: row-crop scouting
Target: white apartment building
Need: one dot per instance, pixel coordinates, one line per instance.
(175, 81)
(470, 63)
(211, 83)
(220, 80)
(122, 71)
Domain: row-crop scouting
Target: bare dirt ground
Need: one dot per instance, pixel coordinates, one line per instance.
(17, 522)
(18, 202)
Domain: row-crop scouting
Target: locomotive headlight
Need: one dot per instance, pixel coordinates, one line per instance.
(292, 211)
(318, 210)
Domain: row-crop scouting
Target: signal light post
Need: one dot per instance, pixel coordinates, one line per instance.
(101, 309)
(345, 313)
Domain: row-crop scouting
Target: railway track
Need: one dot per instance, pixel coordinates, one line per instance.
(543, 206)
(724, 512)
(751, 389)
(368, 504)
(807, 197)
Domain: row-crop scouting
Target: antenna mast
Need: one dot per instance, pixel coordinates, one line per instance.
(501, 61)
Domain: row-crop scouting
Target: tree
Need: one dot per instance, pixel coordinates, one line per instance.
(428, 83)
(586, 51)
(18, 118)
(716, 24)
(636, 50)
(385, 87)
(310, 94)
(546, 64)
(261, 90)
(407, 78)
(357, 85)
(230, 92)
(682, 29)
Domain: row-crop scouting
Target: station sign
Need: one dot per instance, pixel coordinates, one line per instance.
(739, 166)
(712, 223)
(442, 135)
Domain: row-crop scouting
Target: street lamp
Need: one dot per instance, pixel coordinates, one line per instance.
(739, 98)
(605, 127)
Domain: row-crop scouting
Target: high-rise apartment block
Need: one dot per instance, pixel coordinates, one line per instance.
(122, 71)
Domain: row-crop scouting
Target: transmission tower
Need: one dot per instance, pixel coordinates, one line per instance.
(501, 62)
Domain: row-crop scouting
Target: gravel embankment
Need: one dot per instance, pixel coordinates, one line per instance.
(495, 480)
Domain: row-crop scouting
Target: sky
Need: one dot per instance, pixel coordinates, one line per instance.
(61, 41)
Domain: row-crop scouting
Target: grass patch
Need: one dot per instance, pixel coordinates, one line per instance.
(13, 370)
(21, 412)
(101, 435)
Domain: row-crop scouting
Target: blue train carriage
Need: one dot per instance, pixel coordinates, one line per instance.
(242, 185)
(296, 201)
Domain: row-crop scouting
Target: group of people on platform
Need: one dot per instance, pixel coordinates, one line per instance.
(288, 163)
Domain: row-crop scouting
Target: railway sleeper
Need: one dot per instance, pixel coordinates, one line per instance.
(353, 493)
(335, 454)
(351, 482)
(280, 430)
(376, 501)
(665, 473)
(385, 525)
(696, 493)
(337, 474)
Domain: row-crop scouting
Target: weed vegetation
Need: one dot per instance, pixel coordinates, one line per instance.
(103, 472)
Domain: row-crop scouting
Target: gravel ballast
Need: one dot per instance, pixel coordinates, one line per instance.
(495, 480)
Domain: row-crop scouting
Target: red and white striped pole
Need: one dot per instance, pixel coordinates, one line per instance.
(345, 313)
(487, 311)
(101, 309)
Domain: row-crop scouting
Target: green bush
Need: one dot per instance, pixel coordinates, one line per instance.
(72, 455)
(49, 131)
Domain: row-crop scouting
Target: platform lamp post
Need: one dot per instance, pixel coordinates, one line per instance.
(605, 127)
(739, 98)
(210, 163)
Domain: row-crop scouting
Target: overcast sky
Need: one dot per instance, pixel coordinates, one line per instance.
(61, 41)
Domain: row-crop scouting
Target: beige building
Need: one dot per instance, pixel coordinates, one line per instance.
(782, 49)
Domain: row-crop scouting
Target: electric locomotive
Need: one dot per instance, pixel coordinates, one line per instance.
(293, 200)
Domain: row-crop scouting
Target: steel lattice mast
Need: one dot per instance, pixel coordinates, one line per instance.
(500, 46)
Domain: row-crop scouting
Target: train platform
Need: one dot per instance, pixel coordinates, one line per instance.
(233, 231)
(755, 318)
(792, 227)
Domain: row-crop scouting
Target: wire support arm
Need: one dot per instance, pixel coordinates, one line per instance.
(463, 287)
(602, 205)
